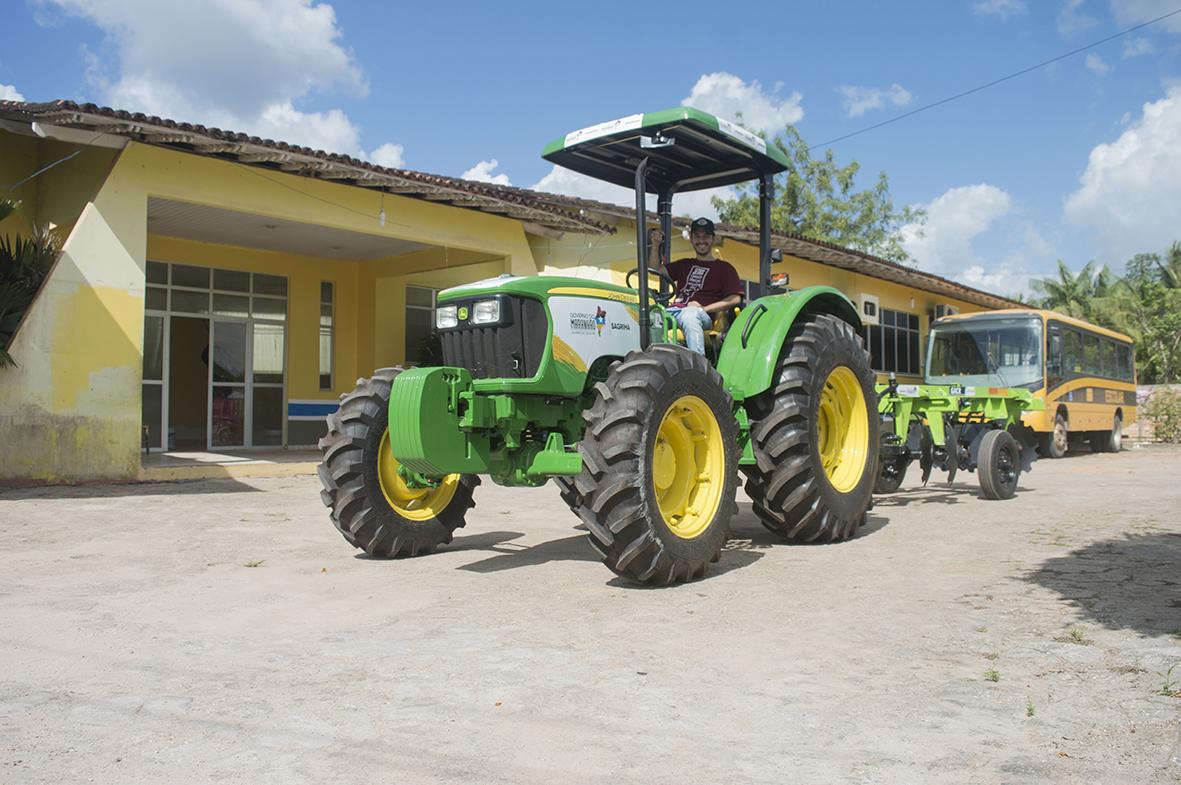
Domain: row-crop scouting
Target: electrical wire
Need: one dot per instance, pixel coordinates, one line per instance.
(995, 82)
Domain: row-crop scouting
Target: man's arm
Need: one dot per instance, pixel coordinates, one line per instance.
(731, 301)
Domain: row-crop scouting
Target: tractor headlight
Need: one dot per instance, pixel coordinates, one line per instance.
(447, 316)
(486, 312)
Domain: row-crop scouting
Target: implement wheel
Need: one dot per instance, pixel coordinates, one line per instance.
(815, 435)
(372, 506)
(999, 465)
(891, 475)
(660, 466)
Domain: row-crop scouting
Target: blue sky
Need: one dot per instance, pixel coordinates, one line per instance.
(1076, 161)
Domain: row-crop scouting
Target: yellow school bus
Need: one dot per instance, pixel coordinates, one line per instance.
(1085, 374)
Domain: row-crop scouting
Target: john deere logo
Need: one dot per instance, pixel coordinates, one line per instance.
(462, 314)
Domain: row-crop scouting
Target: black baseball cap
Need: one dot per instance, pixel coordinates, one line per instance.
(704, 224)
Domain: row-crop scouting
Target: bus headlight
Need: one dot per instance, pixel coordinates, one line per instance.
(446, 316)
(486, 312)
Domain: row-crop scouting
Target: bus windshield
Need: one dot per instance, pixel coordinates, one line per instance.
(991, 351)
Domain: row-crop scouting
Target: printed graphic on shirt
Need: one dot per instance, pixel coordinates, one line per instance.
(693, 283)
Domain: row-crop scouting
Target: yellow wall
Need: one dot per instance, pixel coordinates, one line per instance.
(72, 410)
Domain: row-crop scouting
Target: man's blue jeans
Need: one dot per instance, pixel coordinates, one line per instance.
(693, 321)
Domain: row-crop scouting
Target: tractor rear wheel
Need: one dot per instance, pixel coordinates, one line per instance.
(372, 506)
(660, 466)
(815, 435)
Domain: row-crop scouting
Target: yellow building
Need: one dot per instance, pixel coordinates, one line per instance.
(218, 291)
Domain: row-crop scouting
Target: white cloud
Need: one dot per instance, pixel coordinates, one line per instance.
(1135, 47)
(244, 65)
(728, 96)
(859, 100)
(1002, 8)
(1096, 65)
(1128, 196)
(482, 172)
(9, 93)
(943, 245)
(1072, 19)
(389, 155)
(1128, 12)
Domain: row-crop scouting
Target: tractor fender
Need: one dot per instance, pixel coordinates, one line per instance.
(751, 349)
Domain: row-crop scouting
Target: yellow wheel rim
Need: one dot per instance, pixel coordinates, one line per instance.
(416, 504)
(842, 429)
(688, 466)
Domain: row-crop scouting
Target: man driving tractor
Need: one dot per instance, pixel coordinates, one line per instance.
(705, 286)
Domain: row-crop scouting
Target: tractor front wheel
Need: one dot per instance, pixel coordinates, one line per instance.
(660, 466)
(815, 435)
(372, 505)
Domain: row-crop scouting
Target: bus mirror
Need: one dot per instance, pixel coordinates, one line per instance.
(776, 255)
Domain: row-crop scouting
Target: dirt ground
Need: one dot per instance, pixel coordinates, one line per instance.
(223, 631)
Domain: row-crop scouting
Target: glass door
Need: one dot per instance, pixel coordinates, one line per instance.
(227, 383)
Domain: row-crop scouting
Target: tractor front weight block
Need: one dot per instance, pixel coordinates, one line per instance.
(440, 425)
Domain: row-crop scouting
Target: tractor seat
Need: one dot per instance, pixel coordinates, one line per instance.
(717, 334)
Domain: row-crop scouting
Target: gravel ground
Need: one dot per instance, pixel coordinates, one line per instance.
(223, 631)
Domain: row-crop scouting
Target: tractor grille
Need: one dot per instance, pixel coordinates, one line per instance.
(510, 350)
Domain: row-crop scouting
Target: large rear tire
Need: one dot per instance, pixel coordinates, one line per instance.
(370, 504)
(660, 466)
(815, 435)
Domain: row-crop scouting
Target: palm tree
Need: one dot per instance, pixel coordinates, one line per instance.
(24, 263)
(1088, 294)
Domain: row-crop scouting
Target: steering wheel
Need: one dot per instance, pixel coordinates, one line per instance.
(655, 295)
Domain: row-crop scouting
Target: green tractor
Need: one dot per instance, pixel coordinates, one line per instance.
(585, 383)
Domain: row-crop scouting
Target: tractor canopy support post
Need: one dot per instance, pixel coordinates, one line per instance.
(664, 209)
(766, 195)
(642, 250)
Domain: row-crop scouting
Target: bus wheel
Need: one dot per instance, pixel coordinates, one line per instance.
(1109, 441)
(1053, 444)
(999, 465)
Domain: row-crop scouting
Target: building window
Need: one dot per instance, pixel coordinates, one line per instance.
(894, 343)
(420, 321)
(326, 303)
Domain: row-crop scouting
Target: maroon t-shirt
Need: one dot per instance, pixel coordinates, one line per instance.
(705, 282)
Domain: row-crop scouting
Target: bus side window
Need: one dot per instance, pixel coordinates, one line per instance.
(1054, 357)
(1125, 362)
(1091, 355)
(1072, 353)
(1109, 365)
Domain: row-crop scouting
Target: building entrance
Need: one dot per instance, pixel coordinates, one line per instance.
(214, 358)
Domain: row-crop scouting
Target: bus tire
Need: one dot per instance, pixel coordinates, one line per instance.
(1054, 444)
(1109, 441)
(999, 465)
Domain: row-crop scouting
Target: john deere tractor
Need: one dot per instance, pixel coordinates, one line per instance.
(588, 384)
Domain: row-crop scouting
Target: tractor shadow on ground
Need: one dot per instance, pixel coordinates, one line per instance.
(1131, 582)
(120, 490)
(932, 494)
(509, 555)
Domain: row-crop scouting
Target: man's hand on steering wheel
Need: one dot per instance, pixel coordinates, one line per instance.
(663, 299)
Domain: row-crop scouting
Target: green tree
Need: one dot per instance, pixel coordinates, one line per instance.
(24, 262)
(1089, 294)
(1152, 304)
(819, 199)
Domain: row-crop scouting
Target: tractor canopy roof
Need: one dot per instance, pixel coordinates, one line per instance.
(706, 151)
